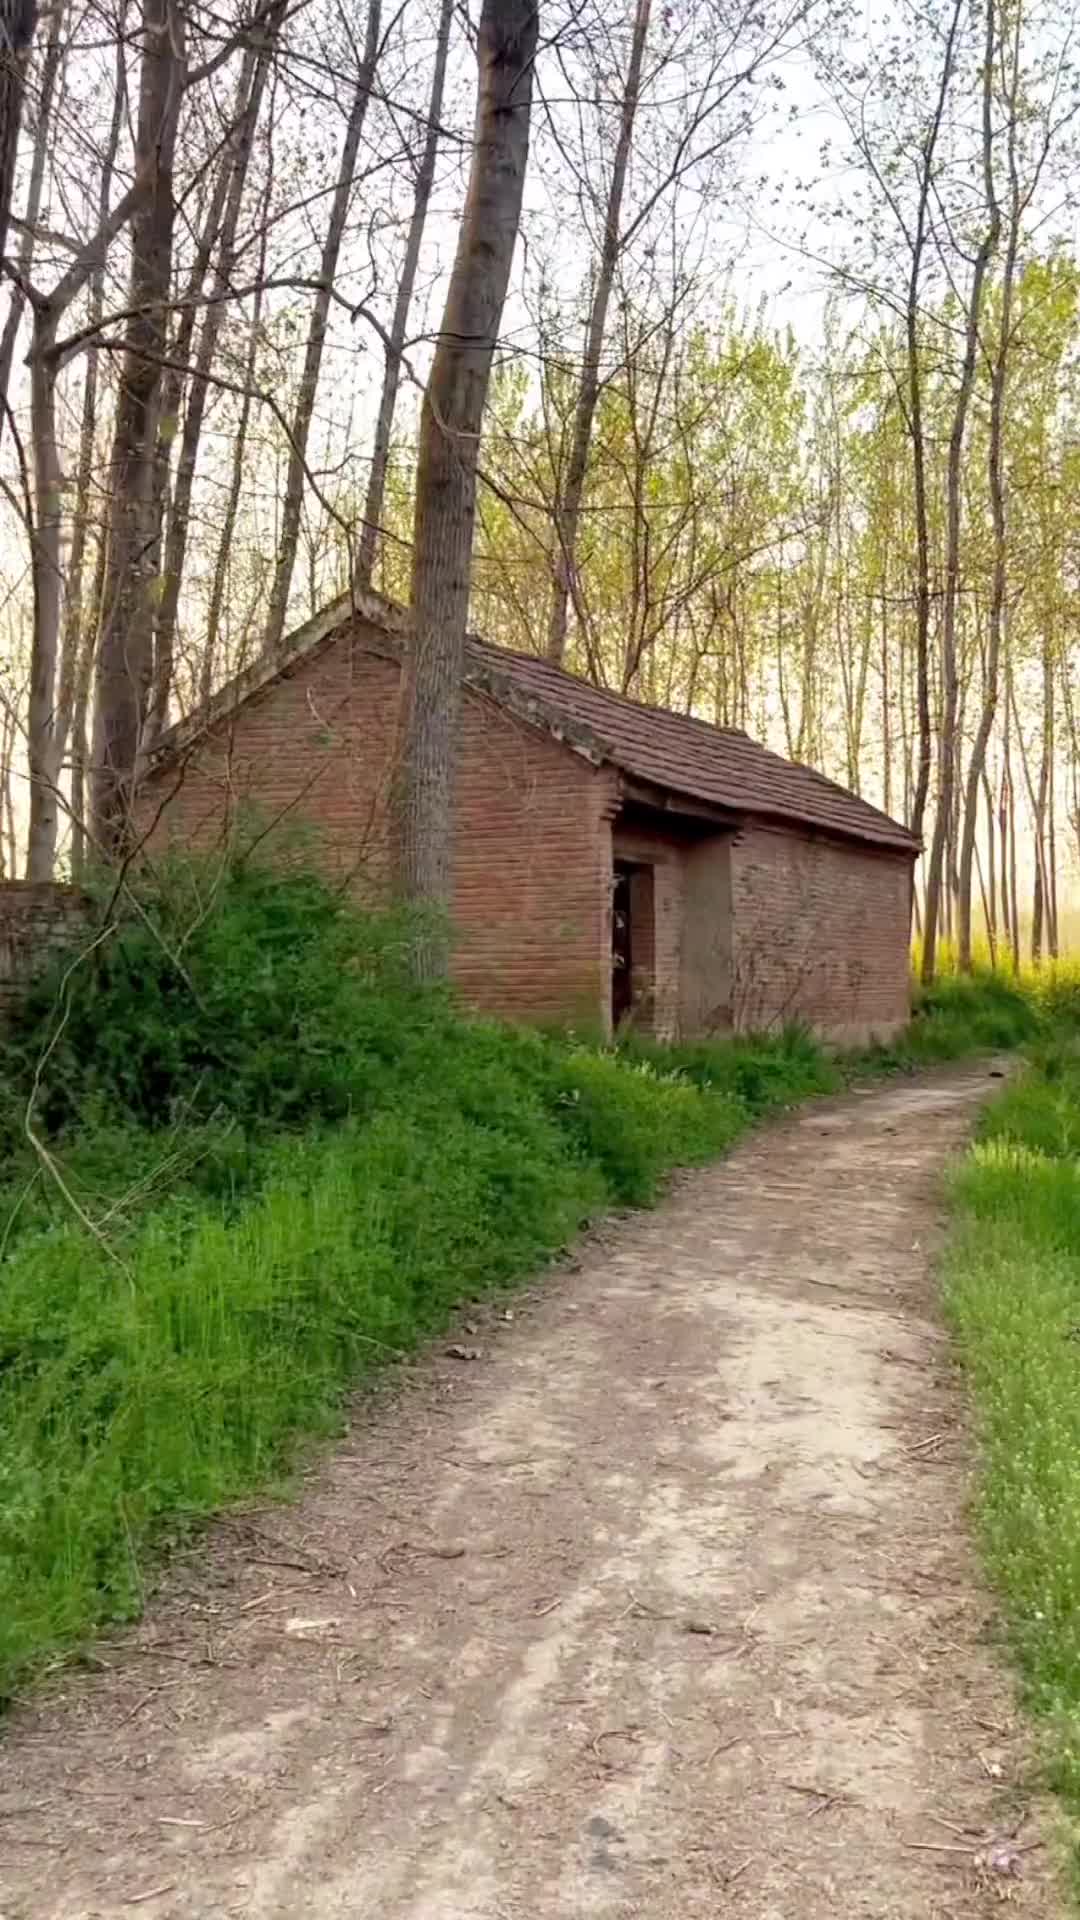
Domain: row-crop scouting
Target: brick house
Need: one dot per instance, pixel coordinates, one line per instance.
(613, 861)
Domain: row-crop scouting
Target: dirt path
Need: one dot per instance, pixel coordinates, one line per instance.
(662, 1607)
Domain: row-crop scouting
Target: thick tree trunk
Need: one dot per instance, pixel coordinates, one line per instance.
(446, 470)
(395, 345)
(125, 647)
(309, 378)
(567, 511)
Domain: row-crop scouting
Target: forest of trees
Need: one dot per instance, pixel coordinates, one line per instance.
(244, 370)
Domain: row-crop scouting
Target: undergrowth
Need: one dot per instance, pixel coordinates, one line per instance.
(262, 1164)
(289, 1165)
(1013, 1291)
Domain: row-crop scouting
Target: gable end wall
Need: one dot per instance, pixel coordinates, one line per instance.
(821, 935)
(533, 842)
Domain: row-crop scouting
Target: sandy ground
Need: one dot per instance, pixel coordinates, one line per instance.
(664, 1605)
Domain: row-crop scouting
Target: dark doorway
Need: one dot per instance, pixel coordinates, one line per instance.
(622, 944)
(632, 942)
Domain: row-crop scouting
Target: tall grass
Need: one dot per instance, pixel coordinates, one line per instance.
(1012, 1284)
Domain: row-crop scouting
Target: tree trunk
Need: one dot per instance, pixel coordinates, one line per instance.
(567, 507)
(947, 739)
(450, 427)
(425, 179)
(211, 649)
(1011, 825)
(43, 746)
(50, 67)
(1042, 920)
(79, 633)
(309, 378)
(886, 711)
(125, 647)
(998, 499)
(918, 433)
(18, 19)
(250, 94)
(991, 865)
(8, 731)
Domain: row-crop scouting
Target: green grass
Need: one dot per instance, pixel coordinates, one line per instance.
(296, 1166)
(1012, 1287)
(962, 1015)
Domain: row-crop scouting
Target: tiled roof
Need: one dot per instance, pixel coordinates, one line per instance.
(717, 765)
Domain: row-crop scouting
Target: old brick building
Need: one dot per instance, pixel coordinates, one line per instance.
(612, 860)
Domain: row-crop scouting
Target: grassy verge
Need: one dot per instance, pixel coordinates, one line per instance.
(1012, 1281)
(290, 1165)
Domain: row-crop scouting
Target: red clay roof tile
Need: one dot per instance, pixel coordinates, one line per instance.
(717, 765)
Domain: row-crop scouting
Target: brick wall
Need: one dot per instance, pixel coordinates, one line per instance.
(753, 929)
(820, 934)
(708, 933)
(309, 751)
(533, 836)
(35, 918)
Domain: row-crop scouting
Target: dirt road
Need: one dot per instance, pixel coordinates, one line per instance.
(662, 1606)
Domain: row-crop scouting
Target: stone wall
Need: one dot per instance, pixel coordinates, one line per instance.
(35, 918)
